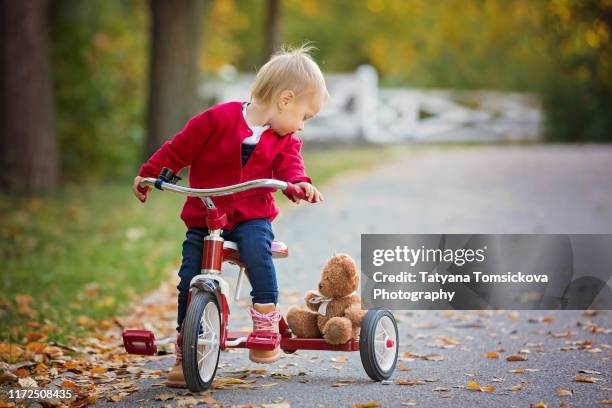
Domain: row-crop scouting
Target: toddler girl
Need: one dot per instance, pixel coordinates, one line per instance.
(234, 142)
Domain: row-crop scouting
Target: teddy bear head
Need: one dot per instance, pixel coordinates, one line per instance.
(339, 277)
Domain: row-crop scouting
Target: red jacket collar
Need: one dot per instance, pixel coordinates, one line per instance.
(245, 126)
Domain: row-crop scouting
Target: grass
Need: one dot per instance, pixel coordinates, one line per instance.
(82, 254)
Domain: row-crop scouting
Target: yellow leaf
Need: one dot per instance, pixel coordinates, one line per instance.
(369, 404)
(35, 348)
(473, 385)
(492, 354)
(402, 367)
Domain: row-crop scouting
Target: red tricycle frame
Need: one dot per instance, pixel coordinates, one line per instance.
(205, 329)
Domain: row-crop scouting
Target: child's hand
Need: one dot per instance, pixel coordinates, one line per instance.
(311, 192)
(140, 192)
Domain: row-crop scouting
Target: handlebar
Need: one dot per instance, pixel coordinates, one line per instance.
(288, 188)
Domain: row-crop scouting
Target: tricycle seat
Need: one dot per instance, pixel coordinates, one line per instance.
(231, 254)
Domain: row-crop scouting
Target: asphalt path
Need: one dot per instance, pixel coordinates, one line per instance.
(435, 189)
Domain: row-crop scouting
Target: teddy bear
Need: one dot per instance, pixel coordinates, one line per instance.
(334, 311)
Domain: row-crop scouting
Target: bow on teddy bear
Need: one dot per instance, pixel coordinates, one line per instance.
(334, 312)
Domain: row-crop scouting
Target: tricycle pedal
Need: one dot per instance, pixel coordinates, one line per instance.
(263, 341)
(140, 342)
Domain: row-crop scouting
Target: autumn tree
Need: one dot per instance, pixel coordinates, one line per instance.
(173, 80)
(272, 28)
(28, 152)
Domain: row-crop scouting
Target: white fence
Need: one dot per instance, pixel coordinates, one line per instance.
(359, 110)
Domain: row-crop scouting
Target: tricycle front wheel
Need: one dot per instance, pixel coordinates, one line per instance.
(378, 344)
(201, 341)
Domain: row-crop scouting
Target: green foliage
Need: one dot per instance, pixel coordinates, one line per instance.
(99, 53)
(560, 48)
(578, 96)
(95, 236)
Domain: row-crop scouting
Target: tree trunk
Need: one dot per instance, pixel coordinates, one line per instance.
(272, 28)
(173, 81)
(28, 151)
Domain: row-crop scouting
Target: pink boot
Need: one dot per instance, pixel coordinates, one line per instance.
(265, 319)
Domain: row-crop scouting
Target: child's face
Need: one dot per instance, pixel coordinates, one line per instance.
(292, 111)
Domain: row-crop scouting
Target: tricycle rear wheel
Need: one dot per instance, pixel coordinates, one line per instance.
(378, 345)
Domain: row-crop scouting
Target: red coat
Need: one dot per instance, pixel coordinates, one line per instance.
(211, 144)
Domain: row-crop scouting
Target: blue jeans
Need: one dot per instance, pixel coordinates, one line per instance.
(254, 239)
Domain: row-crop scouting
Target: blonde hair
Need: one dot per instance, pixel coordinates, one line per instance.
(288, 69)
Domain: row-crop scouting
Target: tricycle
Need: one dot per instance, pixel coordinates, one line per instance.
(206, 326)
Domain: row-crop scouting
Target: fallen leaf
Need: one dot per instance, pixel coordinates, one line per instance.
(433, 357)
(580, 378)
(164, 396)
(402, 367)
(516, 357)
(27, 382)
(492, 354)
(10, 352)
(338, 384)
(283, 404)
(474, 386)
(188, 402)
(589, 372)
(563, 334)
(524, 370)
(369, 404)
(563, 392)
(449, 340)
(68, 384)
(405, 382)
(269, 385)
